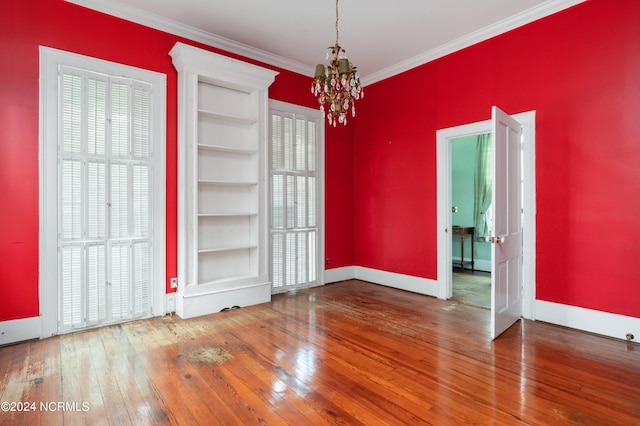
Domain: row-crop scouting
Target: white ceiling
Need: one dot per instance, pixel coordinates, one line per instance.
(381, 37)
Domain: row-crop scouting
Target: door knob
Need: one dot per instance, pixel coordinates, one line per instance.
(497, 240)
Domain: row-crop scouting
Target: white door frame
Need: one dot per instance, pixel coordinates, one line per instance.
(444, 139)
(50, 59)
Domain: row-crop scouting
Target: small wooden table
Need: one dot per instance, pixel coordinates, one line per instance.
(463, 231)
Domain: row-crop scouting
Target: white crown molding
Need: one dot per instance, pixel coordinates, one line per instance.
(548, 8)
(138, 16)
(120, 10)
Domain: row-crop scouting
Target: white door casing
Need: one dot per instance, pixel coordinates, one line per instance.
(506, 235)
(50, 62)
(444, 138)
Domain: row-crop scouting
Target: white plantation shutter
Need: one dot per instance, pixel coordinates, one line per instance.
(104, 204)
(294, 204)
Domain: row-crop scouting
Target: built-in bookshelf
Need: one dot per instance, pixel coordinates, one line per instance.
(222, 182)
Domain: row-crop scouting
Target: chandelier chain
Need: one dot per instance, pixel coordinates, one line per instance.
(337, 33)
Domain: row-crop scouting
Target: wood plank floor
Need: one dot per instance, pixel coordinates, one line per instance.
(473, 288)
(346, 353)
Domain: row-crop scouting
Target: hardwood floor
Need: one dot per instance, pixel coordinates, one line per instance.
(346, 353)
(473, 288)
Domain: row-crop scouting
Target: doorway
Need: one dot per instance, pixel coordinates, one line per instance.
(444, 140)
(471, 219)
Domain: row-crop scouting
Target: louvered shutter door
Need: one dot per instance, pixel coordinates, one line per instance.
(293, 201)
(104, 199)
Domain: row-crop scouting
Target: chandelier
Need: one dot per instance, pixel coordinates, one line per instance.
(337, 85)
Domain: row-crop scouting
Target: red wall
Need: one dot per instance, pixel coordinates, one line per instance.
(24, 25)
(580, 70)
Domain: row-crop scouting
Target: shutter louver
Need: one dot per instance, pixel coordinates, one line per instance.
(71, 113)
(141, 122)
(277, 256)
(287, 139)
(313, 256)
(277, 201)
(71, 286)
(311, 146)
(141, 211)
(301, 201)
(141, 274)
(71, 199)
(290, 202)
(119, 120)
(119, 201)
(301, 258)
(97, 117)
(301, 145)
(120, 280)
(96, 200)
(96, 283)
(311, 201)
(290, 258)
(276, 142)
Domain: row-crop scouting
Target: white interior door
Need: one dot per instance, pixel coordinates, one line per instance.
(506, 250)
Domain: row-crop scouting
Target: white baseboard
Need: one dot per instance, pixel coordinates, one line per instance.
(170, 303)
(18, 330)
(214, 301)
(478, 264)
(589, 320)
(339, 274)
(399, 281)
(598, 322)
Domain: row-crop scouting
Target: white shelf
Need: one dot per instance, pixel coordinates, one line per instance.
(227, 149)
(228, 248)
(230, 214)
(225, 117)
(225, 183)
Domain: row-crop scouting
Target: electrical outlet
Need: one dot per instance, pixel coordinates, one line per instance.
(327, 261)
(173, 282)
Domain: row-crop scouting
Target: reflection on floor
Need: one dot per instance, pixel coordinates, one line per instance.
(472, 288)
